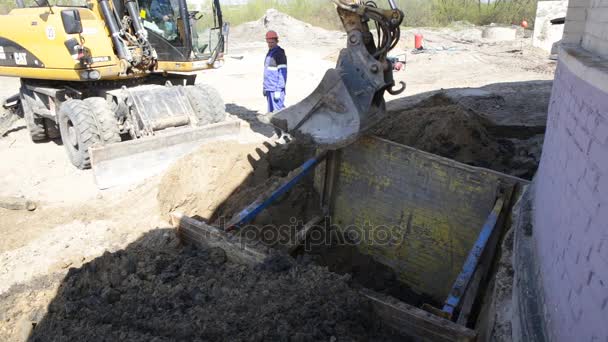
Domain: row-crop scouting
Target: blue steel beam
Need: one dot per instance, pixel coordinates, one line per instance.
(470, 265)
(258, 206)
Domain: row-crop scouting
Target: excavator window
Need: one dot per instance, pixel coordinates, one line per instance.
(161, 17)
(163, 21)
(206, 28)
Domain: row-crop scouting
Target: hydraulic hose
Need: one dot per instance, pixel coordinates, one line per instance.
(121, 50)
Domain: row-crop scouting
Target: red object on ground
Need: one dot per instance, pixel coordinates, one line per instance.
(418, 41)
(524, 24)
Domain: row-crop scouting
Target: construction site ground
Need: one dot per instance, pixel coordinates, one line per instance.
(76, 223)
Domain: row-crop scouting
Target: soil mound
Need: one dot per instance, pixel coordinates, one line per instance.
(218, 181)
(157, 290)
(441, 126)
(290, 30)
(200, 182)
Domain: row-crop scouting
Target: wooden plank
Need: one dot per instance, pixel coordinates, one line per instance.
(301, 235)
(410, 321)
(237, 249)
(331, 164)
(16, 203)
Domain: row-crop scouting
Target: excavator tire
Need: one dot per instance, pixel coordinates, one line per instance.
(34, 124)
(207, 104)
(78, 131)
(106, 120)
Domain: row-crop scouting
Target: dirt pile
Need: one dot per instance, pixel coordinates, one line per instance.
(441, 126)
(219, 181)
(156, 290)
(290, 30)
(200, 182)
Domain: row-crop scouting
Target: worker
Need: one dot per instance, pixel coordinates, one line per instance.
(275, 73)
(161, 12)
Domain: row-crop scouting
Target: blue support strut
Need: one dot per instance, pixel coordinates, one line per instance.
(462, 282)
(258, 206)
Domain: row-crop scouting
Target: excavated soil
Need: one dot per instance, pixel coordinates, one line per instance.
(333, 249)
(199, 183)
(157, 290)
(290, 30)
(219, 180)
(441, 126)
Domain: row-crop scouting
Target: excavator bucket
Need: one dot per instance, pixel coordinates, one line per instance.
(348, 101)
(132, 161)
(350, 98)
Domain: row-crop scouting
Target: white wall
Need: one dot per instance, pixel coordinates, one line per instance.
(545, 34)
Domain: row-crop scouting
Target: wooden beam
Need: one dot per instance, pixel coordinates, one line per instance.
(237, 249)
(410, 321)
(301, 235)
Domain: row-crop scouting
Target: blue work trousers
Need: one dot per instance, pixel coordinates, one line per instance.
(273, 104)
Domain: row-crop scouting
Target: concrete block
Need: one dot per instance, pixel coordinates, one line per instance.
(579, 3)
(573, 26)
(599, 129)
(598, 15)
(496, 33)
(595, 44)
(597, 29)
(577, 14)
(602, 188)
(598, 3)
(545, 33)
(582, 138)
(598, 154)
(592, 176)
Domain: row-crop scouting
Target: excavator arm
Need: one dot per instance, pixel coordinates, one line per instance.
(350, 98)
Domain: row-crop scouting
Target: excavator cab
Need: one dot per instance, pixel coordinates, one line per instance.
(185, 38)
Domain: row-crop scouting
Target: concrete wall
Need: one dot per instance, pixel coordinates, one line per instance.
(595, 37)
(571, 187)
(587, 25)
(545, 34)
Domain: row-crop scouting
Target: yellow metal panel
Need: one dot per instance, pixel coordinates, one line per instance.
(183, 66)
(108, 73)
(418, 213)
(40, 31)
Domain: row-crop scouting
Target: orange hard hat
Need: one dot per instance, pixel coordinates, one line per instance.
(272, 35)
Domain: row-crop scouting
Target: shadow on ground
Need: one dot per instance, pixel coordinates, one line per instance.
(159, 290)
(251, 116)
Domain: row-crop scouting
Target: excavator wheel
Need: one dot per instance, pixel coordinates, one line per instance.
(207, 104)
(84, 124)
(34, 124)
(106, 120)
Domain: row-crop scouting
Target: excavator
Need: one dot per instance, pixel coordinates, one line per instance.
(114, 79)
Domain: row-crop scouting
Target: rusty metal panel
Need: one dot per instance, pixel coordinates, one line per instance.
(415, 212)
